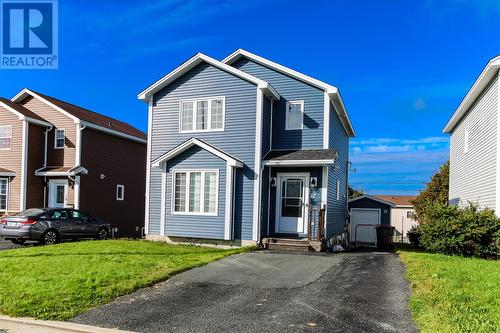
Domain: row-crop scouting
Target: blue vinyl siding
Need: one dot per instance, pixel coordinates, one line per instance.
(266, 125)
(197, 226)
(336, 209)
(291, 89)
(238, 138)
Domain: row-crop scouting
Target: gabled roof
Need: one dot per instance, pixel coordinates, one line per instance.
(372, 198)
(397, 200)
(86, 117)
(23, 113)
(61, 171)
(332, 91)
(196, 60)
(232, 161)
(303, 156)
(477, 88)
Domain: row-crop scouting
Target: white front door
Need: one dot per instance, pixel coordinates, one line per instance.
(292, 202)
(58, 193)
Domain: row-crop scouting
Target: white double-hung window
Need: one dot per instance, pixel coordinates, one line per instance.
(6, 137)
(200, 115)
(195, 192)
(59, 138)
(3, 193)
(294, 115)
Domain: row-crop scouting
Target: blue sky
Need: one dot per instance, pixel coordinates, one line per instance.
(402, 66)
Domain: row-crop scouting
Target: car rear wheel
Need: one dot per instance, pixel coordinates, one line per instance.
(102, 234)
(50, 237)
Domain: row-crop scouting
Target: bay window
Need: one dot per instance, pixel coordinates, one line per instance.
(202, 115)
(195, 192)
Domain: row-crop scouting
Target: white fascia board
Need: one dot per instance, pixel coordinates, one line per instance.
(193, 62)
(332, 91)
(477, 88)
(372, 198)
(195, 142)
(23, 93)
(113, 132)
(7, 174)
(71, 172)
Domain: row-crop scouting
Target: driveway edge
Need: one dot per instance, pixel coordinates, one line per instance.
(17, 324)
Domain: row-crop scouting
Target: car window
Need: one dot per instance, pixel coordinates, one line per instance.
(30, 212)
(58, 214)
(79, 215)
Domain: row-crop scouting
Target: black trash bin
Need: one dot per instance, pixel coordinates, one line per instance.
(384, 237)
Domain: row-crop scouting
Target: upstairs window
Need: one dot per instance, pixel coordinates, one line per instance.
(294, 115)
(60, 138)
(202, 115)
(6, 137)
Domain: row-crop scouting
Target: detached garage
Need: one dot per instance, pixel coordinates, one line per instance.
(365, 214)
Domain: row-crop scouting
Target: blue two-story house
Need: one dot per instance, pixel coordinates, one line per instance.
(242, 150)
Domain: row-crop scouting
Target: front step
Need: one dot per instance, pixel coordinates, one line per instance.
(287, 244)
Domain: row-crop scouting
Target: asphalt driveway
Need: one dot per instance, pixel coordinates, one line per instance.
(271, 292)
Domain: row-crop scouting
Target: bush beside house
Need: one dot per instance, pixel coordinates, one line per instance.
(467, 231)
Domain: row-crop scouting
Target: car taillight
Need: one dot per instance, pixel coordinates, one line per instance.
(28, 222)
(4, 222)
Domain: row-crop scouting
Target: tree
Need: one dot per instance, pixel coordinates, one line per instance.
(354, 193)
(435, 192)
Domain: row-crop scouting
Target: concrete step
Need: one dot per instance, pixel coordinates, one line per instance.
(287, 244)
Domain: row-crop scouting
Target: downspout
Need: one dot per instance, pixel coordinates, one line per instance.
(46, 133)
(78, 162)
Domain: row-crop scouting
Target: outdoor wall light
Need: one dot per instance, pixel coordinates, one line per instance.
(102, 176)
(313, 182)
(272, 181)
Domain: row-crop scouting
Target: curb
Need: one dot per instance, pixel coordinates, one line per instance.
(18, 323)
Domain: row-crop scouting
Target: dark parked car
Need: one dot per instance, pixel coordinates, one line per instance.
(50, 225)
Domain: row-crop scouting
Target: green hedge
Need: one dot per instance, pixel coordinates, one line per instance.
(468, 231)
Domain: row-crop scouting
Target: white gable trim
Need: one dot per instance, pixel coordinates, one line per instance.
(196, 60)
(231, 161)
(332, 91)
(374, 199)
(477, 88)
(23, 117)
(26, 92)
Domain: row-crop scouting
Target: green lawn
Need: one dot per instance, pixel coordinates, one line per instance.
(453, 294)
(61, 281)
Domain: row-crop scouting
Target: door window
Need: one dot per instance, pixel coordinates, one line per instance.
(292, 198)
(79, 215)
(60, 194)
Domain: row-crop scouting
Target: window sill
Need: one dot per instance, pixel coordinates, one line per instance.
(194, 214)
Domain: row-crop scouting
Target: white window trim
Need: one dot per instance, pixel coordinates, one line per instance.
(10, 148)
(202, 198)
(123, 192)
(287, 127)
(6, 194)
(209, 121)
(55, 138)
(338, 190)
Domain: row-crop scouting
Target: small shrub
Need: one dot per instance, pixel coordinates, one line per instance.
(414, 237)
(467, 231)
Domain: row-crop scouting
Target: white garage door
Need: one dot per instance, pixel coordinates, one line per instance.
(364, 234)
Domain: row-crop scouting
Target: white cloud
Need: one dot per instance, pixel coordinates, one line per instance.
(356, 150)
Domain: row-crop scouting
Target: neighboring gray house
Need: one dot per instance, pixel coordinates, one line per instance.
(474, 143)
(244, 149)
